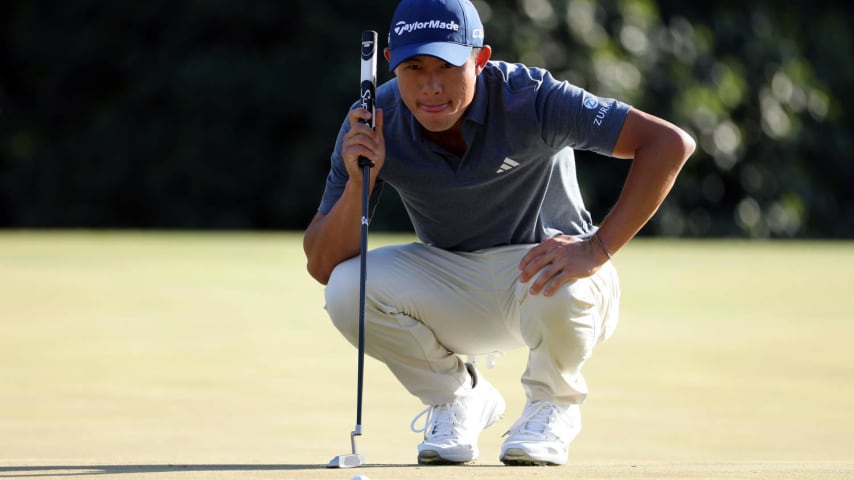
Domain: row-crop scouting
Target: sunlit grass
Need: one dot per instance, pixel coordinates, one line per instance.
(202, 347)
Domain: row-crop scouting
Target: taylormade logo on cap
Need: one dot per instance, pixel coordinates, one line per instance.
(403, 27)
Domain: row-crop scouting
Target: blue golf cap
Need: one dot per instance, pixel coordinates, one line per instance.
(447, 29)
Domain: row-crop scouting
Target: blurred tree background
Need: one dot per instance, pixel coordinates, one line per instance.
(217, 114)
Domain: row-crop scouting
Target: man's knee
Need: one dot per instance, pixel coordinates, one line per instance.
(342, 298)
(566, 321)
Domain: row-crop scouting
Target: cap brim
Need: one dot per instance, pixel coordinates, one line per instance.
(452, 53)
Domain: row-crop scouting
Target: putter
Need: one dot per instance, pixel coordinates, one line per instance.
(368, 92)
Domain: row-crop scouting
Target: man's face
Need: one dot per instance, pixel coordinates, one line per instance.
(437, 92)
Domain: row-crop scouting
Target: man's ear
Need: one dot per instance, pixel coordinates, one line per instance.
(387, 54)
(482, 57)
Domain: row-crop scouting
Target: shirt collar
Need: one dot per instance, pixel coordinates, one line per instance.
(477, 110)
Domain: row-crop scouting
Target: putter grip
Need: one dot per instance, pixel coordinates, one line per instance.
(368, 85)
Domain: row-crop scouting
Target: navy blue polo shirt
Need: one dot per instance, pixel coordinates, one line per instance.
(516, 183)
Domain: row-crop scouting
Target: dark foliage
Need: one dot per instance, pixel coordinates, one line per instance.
(217, 114)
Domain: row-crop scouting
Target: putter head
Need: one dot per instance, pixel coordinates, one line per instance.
(347, 461)
(355, 459)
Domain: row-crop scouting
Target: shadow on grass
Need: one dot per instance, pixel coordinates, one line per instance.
(72, 470)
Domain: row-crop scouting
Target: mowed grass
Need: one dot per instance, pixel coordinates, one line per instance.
(209, 355)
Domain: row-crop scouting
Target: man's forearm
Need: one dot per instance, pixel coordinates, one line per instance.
(330, 239)
(650, 179)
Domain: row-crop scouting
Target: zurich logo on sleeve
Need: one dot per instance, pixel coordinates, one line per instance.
(591, 103)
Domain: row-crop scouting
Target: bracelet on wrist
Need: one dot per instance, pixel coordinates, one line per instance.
(602, 245)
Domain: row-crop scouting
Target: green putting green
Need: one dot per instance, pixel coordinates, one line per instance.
(209, 355)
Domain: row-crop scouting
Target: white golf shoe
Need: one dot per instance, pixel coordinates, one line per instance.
(451, 430)
(542, 434)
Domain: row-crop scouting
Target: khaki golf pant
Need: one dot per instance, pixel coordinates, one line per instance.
(425, 307)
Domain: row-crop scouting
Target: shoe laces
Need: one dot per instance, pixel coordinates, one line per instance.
(441, 420)
(535, 419)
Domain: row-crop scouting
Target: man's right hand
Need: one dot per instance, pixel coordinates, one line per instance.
(363, 141)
